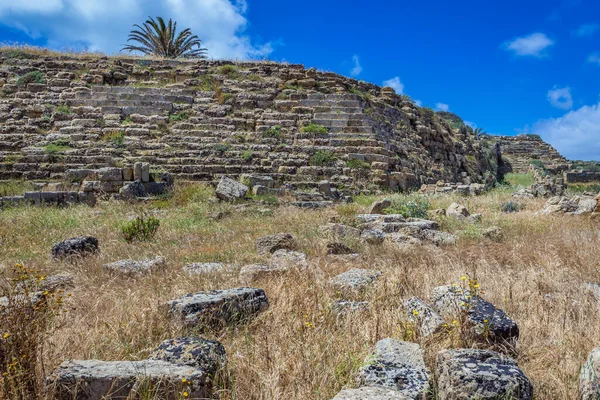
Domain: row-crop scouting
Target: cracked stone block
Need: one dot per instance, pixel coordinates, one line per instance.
(370, 393)
(229, 189)
(480, 374)
(398, 366)
(219, 306)
(135, 267)
(271, 243)
(96, 380)
(425, 318)
(489, 323)
(354, 279)
(75, 247)
(206, 355)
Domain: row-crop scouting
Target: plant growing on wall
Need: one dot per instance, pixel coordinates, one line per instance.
(156, 38)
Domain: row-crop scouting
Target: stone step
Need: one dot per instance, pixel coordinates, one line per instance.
(165, 105)
(148, 111)
(137, 97)
(339, 103)
(339, 115)
(142, 90)
(329, 123)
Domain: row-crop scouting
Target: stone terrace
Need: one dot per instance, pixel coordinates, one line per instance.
(202, 119)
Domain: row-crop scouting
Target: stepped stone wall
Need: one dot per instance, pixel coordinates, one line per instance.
(199, 120)
(518, 151)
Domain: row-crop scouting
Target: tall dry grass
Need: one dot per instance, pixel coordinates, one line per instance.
(297, 349)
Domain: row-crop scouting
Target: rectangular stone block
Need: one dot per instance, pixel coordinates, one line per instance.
(95, 380)
(145, 172)
(110, 174)
(127, 174)
(137, 171)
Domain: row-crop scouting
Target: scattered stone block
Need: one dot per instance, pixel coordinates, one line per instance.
(345, 307)
(370, 393)
(206, 355)
(589, 377)
(255, 272)
(270, 244)
(480, 374)
(398, 366)
(425, 318)
(133, 267)
(340, 231)
(457, 211)
(95, 379)
(373, 236)
(133, 190)
(339, 248)
(289, 259)
(379, 206)
(354, 279)
(229, 189)
(137, 171)
(75, 247)
(489, 323)
(493, 232)
(219, 306)
(204, 268)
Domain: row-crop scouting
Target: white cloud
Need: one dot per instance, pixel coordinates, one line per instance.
(575, 134)
(442, 107)
(594, 58)
(561, 97)
(419, 103)
(100, 25)
(471, 124)
(357, 69)
(395, 84)
(530, 45)
(586, 30)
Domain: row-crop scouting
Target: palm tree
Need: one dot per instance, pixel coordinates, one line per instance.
(159, 39)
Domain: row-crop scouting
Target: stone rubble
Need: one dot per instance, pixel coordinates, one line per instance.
(136, 267)
(75, 247)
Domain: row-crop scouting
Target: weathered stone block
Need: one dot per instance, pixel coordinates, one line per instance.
(398, 366)
(480, 374)
(77, 246)
(96, 380)
(270, 244)
(219, 306)
(229, 189)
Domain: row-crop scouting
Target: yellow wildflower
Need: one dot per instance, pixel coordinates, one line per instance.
(185, 394)
(6, 335)
(415, 312)
(464, 278)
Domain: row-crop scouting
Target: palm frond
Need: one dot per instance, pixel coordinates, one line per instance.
(155, 37)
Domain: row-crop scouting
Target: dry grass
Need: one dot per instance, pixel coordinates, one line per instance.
(297, 349)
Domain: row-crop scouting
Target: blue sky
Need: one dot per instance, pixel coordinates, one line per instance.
(507, 66)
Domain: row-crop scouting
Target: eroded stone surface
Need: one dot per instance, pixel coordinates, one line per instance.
(75, 247)
(255, 272)
(136, 267)
(480, 374)
(270, 244)
(457, 211)
(399, 366)
(354, 279)
(229, 189)
(206, 355)
(489, 322)
(219, 306)
(370, 393)
(95, 379)
(589, 377)
(345, 307)
(205, 268)
(425, 318)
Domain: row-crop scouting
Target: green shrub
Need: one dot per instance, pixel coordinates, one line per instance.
(56, 147)
(416, 207)
(127, 121)
(142, 228)
(228, 70)
(322, 158)
(510, 207)
(115, 137)
(64, 109)
(31, 77)
(247, 155)
(537, 163)
(221, 147)
(272, 132)
(358, 164)
(180, 116)
(515, 179)
(314, 128)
